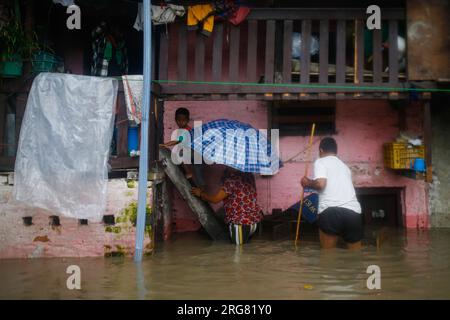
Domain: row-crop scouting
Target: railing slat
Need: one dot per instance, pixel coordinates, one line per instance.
(234, 53)
(270, 51)
(199, 57)
(252, 54)
(323, 51)
(217, 53)
(359, 43)
(182, 52)
(340, 51)
(377, 56)
(287, 51)
(163, 55)
(393, 51)
(305, 61)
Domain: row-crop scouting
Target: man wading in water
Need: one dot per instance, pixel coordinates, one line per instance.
(339, 210)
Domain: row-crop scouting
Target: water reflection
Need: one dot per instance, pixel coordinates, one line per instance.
(413, 265)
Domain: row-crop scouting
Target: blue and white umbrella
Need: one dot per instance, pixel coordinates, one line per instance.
(235, 144)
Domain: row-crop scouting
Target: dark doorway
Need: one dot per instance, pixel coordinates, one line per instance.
(381, 206)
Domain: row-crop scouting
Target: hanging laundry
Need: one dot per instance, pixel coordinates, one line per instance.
(239, 15)
(201, 14)
(110, 57)
(133, 85)
(160, 15)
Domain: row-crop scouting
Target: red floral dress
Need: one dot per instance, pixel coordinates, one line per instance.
(240, 204)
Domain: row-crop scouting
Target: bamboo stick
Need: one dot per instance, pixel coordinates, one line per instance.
(302, 196)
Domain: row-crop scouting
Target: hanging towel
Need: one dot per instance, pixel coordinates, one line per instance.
(160, 15)
(202, 13)
(63, 150)
(133, 85)
(239, 15)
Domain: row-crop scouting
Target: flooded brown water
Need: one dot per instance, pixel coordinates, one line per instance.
(414, 265)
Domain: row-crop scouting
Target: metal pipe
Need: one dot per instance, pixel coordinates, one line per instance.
(143, 159)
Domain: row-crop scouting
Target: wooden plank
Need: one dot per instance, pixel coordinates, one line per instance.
(377, 56)
(305, 61)
(124, 162)
(203, 210)
(199, 57)
(323, 52)
(234, 57)
(393, 51)
(269, 89)
(252, 54)
(359, 48)
(217, 53)
(321, 13)
(340, 51)
(163, 55)
(427, 130)
(287, 51)
(182, 52)
(122, 126)
(234, 54)
(269, 52)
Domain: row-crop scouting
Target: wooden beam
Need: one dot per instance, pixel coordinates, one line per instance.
(305, 61)
(340, 51)
(199, 57)
(393, 51)
(321, 13)
(252, 53)
(323, 52)
(217, 53)
(377, 56)
(201, 89)
(359, 48)
(182, 52)
(270, 51)
(287, 51)
(234, 56)
(203, 210)
(122, 126)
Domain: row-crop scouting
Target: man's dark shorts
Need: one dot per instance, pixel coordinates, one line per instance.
(341, 222)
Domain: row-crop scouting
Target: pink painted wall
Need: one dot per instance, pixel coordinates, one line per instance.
(71, 239)
(362, 128)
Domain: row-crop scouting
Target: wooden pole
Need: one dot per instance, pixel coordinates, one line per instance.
(302, 196)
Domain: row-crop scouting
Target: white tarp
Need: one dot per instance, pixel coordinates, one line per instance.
(63, 150)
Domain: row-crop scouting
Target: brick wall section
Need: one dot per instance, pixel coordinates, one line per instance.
(70, 239)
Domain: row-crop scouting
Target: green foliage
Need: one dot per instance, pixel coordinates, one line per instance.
(15, 42)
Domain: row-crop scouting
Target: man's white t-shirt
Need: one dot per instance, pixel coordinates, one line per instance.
(339, 191)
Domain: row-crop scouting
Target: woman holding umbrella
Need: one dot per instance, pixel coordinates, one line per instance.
(242, 212)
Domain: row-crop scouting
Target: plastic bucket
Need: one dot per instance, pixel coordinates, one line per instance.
(419, 165)
(133, 139)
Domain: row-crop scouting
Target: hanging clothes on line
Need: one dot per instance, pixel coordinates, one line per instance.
(110, 57)
(201, 14)
(161, 14)
(133, 85)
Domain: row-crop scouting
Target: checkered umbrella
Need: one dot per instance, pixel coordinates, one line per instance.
(235, 144)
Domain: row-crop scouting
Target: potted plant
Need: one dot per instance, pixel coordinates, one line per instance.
(15, 46)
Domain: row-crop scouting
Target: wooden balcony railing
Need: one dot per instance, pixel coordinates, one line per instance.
(260, 51)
